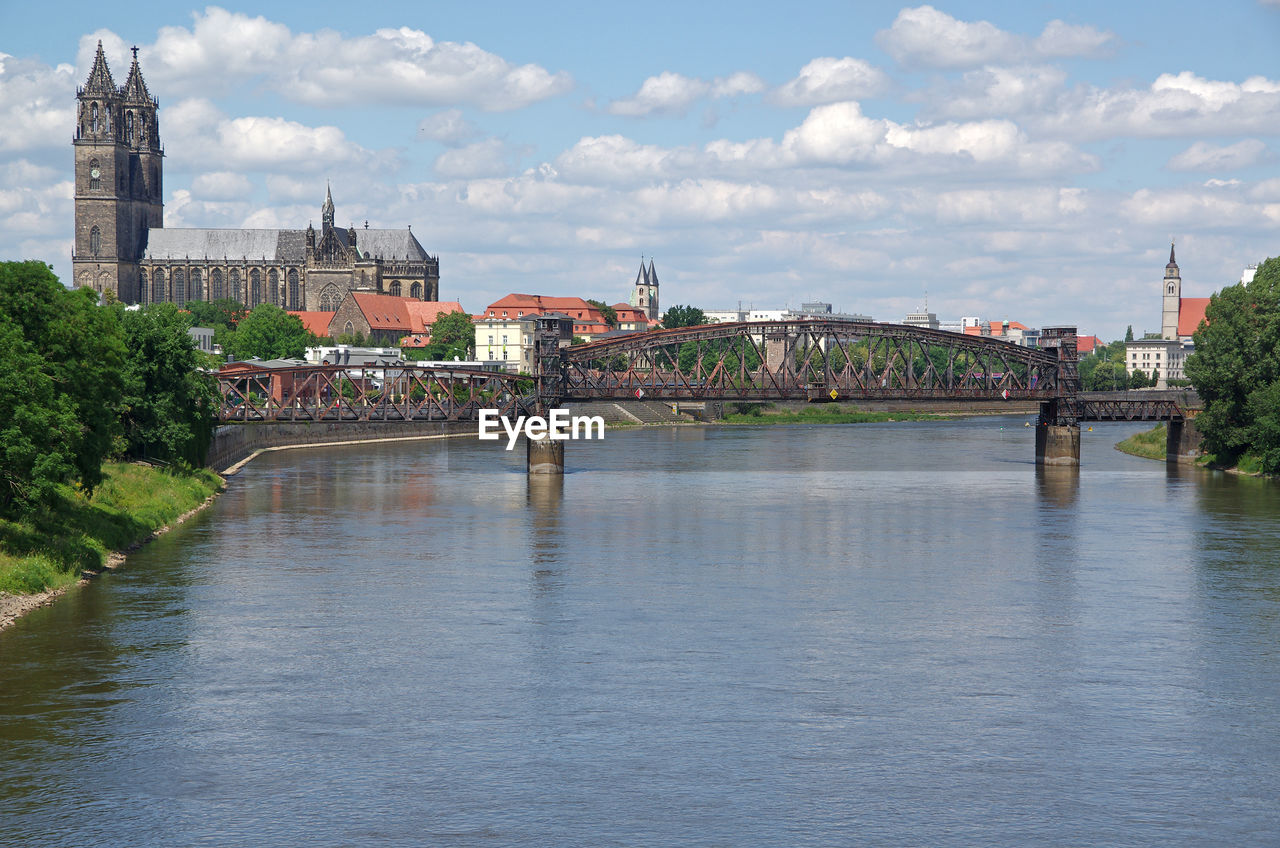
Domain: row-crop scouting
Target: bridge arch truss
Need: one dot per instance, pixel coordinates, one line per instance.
(810, 359)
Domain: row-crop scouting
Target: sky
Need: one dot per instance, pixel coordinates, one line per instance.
(1026, 162)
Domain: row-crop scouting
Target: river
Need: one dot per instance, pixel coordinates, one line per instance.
(890, 634)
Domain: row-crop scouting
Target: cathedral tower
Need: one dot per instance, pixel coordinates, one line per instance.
(644, 294)
(118, 172)
(1172, 289)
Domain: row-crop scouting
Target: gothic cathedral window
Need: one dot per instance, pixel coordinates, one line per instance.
(95, 240)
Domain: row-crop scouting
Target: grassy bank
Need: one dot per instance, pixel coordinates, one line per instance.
(50, 549)
(1148, 445)
(821, 414)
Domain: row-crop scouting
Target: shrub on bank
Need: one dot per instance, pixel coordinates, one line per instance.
(49, 548)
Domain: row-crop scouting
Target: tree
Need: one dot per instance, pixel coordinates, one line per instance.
(1236, 361)
(37, 426)
(225, 313)
(268, 332)
(169, 403)
(82, 350)
(1128, 334)
(610, 314)
(683, 316)
(452, 336)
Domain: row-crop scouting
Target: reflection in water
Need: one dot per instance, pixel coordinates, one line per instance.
(812, 635)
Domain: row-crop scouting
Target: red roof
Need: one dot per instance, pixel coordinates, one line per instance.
(1086, 344)
(1190, 314)
(535, 304)
(423, 313)
(316, 322)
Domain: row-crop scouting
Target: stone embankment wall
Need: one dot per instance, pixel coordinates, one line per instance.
(235, 442)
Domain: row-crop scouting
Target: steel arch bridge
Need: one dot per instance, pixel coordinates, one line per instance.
(810, 359)
(815, 360)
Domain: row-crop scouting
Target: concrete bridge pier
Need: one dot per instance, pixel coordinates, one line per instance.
(1182, 441)
(1058, 444)
(546, 456)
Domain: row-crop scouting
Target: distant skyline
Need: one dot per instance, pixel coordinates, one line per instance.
(1028, 162)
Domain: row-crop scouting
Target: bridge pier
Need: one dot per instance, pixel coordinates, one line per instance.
(545, 456)
(1058, 444)
(1182, 441)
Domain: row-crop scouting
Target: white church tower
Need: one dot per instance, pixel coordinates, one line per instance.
(1172, 298)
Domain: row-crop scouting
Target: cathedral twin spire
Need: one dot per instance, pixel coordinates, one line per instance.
(126, 114)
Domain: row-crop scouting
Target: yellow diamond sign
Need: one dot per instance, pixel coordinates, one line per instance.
(834, 394)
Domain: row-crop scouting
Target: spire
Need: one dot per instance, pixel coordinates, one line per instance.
(326, 211)
(100, 82)
(1173, 263)
(135, 88)
(653, 273)
(642, 278)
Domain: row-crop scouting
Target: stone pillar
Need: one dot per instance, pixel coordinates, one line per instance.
(1058, 444)
(545, 456)
(775, 353)
(1182, 441)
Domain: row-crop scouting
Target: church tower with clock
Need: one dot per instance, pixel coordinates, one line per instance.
(118, 172)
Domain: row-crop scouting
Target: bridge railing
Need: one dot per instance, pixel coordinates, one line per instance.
(367, 393)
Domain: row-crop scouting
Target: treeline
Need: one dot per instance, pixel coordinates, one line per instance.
(82, 383)
(1236, 371)
(1103, 370)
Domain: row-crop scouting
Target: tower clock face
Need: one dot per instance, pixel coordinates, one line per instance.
(95, 173)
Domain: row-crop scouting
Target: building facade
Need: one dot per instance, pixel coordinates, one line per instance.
(122, 246)
(1165, 357)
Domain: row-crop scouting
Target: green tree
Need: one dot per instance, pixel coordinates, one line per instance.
(1128, 334)
(83, 352)
(1236, 361)
(215, 313)
(37, 426)
(169, 403)
(610, 314)
(452, 335)
(268, 332)
(683, 316)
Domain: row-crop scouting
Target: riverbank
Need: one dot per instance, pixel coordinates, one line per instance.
(44, 555)
(822, 414)
(1148, 445)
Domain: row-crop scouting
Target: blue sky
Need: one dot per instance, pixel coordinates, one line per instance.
(1021, 161)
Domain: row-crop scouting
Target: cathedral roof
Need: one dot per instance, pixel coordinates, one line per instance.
(280, 245)
(100, 82)
(192, 243)
(1173, 263)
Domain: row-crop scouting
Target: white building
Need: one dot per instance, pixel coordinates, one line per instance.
(1165, 357)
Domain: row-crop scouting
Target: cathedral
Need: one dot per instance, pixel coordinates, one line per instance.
(121, 245)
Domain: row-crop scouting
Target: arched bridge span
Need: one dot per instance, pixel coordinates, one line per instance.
(809, 359)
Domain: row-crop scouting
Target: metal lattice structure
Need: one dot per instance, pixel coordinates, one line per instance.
(369, 393)
(809, 359)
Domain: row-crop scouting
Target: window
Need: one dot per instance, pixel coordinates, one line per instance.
(95, 240)
(273, 286)
(504, 338)
(395, 288)
(490, 339)
(157, 291)
(197, 292)
(293, 289)
(255, 287)
(179, 286)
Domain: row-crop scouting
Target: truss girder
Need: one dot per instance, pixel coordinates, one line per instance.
(803, 359)
(369, 393)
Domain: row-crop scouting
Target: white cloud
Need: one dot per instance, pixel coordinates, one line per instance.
(1203, 156)
(670, 93)
(926, 37)
(403, 66)
(448, 127)
(488, 158)
(1061, 39)
(934, 39)
(198, 134)
(828, 80)
(221, 185)
(1175, 105)
(998, 91)
(37, 104)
